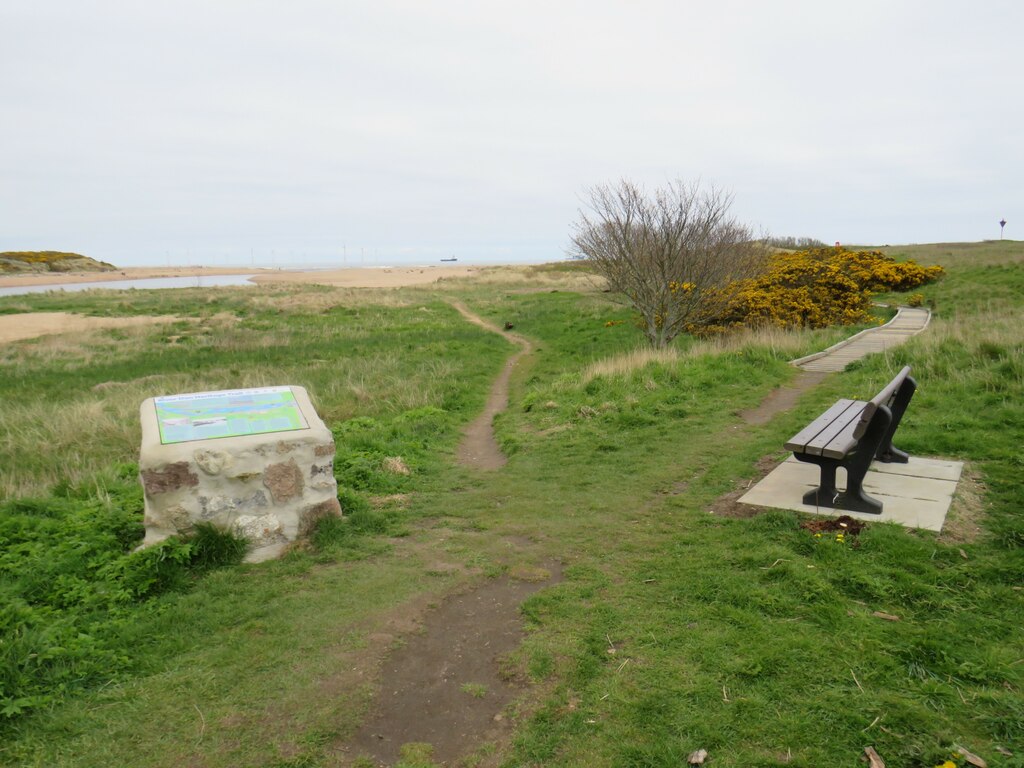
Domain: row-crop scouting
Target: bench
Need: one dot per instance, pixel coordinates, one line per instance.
(851, 434)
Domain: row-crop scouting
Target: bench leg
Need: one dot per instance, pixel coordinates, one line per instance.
(826, 492)
(893, 455)
(853, 498)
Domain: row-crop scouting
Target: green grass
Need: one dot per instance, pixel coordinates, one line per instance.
(672, 630)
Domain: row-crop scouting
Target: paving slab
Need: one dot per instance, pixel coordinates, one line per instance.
(915, 495)
(937, 469)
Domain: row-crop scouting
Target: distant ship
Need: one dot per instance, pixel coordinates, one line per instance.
(451, 259)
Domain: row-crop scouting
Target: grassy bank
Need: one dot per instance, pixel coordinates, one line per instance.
(673, 629)
(49, 261)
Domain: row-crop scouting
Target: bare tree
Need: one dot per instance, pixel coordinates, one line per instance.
(673, 256)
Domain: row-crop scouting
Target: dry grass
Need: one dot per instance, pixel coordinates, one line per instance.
(319, 299)
(537, 277)
(76, 441)
(998, 338)
(1000, 326)
(952, 255)
(783, 344)
(630, 362)
(963, 521)
(85, 344)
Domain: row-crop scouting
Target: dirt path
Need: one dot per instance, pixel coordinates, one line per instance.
(443, 690)
(782, 399)
(444, 687)
(479, 448)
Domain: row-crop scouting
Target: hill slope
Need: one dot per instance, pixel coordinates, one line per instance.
(50, 261)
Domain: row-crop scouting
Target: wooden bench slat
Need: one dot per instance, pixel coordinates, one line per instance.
(838, 437)
(800, 441)
(841, 444)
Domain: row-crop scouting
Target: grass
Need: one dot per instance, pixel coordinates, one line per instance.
(779, 343)
(476, 690)
(76, 397)
(672, 630)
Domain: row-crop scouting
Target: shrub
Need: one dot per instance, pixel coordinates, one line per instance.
(798, 291)
(818, 288)
(874, 271)
(69, 574)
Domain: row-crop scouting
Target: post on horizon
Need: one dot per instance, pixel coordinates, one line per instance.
(1002, 223)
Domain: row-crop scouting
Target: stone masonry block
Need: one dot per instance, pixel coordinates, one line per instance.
(215, 457)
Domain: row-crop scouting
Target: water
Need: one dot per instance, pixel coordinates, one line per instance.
(203, 281)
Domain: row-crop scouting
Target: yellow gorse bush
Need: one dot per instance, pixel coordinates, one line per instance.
(874, 271)
(38, 257)
(814, 289)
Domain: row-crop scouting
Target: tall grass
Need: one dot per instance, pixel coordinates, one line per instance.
(779, 343)
(71, 401)
(960, 256)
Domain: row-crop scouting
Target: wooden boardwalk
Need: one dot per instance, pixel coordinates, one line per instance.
(909, 321)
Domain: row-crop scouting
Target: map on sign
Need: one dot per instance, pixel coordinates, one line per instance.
(230, 413)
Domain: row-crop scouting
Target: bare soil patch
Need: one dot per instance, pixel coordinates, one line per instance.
(30, 325)
(728, 505)
(843, 524)
(446, 687)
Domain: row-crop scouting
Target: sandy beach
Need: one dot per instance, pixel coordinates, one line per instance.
(352, 277)
(367, 277)
(128, 273)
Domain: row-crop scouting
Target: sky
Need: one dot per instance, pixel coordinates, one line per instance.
(348, 133)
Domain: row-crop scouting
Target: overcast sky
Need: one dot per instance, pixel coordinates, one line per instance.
(394, 132)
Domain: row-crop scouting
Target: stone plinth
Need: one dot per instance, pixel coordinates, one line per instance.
(257, 462)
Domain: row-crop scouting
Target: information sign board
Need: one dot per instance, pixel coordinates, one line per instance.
(228, 413)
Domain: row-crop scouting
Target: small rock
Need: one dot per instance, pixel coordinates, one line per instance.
(261, 531)
(284, 480)
(698, 757)
(169, 477)
(213, 462)
(324, 450)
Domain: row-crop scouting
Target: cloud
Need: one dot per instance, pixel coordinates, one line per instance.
(137, 129)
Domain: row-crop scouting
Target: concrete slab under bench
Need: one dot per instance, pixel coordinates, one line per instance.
(915, 495)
